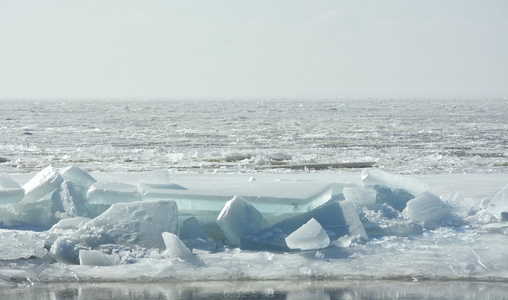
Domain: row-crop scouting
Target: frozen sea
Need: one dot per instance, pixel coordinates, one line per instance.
(458, 148)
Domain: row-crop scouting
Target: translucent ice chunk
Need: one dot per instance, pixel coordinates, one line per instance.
(371, 177)
(499, 204)
(155, 179)
(194, 237)
(427, 208)
(78, 176)
(309, 236)
(174, 246)
(338, 218)
(11, 195)
(239, 218)
(97, 258)
(69, 198)
(7, 182)
(110, 192)
(129, 224)
(281, 197)
(37, 215)
(360, 196)
(43, 183)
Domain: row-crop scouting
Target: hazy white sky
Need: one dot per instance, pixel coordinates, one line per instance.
(253, 49)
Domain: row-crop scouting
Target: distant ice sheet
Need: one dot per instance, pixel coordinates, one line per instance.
(410, 136)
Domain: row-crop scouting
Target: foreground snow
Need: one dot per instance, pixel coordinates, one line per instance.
(190, 227)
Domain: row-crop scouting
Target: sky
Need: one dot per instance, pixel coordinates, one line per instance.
(252, 49)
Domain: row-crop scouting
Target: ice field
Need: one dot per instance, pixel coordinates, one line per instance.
(187, 191)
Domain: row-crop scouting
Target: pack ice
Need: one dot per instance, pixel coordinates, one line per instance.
(107, 223)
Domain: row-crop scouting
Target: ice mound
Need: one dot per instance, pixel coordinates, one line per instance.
(338, 218)
(136, 224)
(110, 192)
(360, 196)
(10, 191)
(79, 177)
(309, 236)
(194, 237)
(427, 208)
(498, 205)
(69, 198)
(97, 258)
(43, 183)
(174, 246)
(239, 218)
(372, 177)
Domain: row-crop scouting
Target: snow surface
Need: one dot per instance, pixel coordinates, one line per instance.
(130, 188)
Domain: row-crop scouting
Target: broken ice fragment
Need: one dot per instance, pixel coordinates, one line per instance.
(10, 191)
(239, 218)
(498, 205)
(97, 258)
(427, 208)
(371, 177)
(110, 192)
(69, 198)
(43, 183)
(343, 242)
(309, 236)
(194, 237)
(360, 196)
(174, 246)
(7, 182)
(136, 224)
(79, 177)
(8, 195)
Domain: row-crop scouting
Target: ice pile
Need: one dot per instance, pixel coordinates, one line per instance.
(107, 223)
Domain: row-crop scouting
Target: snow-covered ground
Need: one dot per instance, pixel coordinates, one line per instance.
(432, 208)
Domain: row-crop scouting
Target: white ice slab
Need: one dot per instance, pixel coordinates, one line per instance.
(174, 246)
(427, 208)
(43, 183)
(110, 192)
(78, 176)
(239, 218)
(309, 236)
